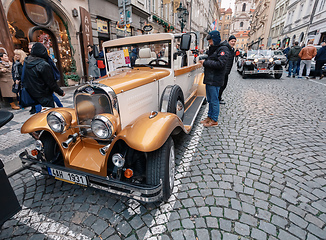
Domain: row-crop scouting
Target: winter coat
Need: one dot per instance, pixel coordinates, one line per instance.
(286, 51)
(17, 69)
(92, 66)
(215, 65)
(230, 61)
(55, 70)
(321, 54)
(308, 53)
(6, 81)
(38, 76)
(293, 54)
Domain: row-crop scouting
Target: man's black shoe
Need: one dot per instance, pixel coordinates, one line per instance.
(222, 101)
(321, 77)
(312, 78)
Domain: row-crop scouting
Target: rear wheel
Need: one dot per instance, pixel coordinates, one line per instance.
(161, 165)
(175, 101)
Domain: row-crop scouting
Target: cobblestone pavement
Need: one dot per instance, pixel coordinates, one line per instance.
(259, 175)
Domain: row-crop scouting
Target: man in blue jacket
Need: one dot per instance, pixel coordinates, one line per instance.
(320, 61)
(214, 74)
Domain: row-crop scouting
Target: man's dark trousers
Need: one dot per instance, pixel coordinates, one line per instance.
(226, 78)
(318, 67)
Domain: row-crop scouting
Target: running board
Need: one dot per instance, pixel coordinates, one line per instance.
(192, 112)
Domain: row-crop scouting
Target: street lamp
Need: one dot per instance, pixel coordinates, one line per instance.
(182, 15)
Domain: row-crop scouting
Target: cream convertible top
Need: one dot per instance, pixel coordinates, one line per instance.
(139, 39)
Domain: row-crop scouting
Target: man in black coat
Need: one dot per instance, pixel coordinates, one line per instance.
(214, 73)
(38, 77)
(231, 43)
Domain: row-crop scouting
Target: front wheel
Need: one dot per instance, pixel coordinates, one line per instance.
(51, 149)
(161, 165)
(278, 75)
(244, 76)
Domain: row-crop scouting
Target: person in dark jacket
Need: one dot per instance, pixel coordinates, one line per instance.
(230, 44)
(293, 57)
(39, 79)
(320, 61)
(214, 73)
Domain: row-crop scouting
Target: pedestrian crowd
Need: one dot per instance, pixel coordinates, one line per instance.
(30, 80)
(300, 59)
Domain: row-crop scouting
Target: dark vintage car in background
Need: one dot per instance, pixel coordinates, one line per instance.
(259, 62)
(279, 55)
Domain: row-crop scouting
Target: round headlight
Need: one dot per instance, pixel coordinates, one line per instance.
(256, 60)
(271, 60)
(102, 127)
(56, 121)
(118, 160)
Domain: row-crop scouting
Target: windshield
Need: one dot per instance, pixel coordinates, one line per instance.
(278, 53)
(150, 54)
(259, 53)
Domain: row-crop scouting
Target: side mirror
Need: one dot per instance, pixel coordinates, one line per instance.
(185, 42)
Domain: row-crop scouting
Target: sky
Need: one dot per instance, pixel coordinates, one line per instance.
(228, 3)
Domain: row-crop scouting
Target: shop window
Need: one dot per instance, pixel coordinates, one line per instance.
(31, 28)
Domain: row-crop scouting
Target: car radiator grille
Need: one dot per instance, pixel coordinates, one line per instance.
(262, 65)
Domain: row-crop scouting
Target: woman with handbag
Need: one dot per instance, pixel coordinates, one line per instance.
(17, 70)
(6, 80)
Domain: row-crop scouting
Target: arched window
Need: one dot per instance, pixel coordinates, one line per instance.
(241, 24)
(244, 7)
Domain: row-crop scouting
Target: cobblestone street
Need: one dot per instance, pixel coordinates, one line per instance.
(260, 174)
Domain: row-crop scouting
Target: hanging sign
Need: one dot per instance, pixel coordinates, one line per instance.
(86, 27)
(148, 28)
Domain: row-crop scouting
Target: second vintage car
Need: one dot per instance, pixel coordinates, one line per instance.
(259, 62)
(118, 136)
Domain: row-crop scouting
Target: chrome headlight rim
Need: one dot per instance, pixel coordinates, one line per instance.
(118, 160)
(256, 60)
(107, 123)
(271, 59)
(61, 119)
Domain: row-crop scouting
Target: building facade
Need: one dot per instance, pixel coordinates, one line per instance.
(275, 39)
(225, 23)
(261, 23)
(242, 16)
(53, 23)
(298, 18)
(242, 40)
(317, 27)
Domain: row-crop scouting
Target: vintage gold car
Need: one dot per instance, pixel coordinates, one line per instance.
(118, 136)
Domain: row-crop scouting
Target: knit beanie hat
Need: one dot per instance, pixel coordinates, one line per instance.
(215, 36)
(232, 37)
(38, 50)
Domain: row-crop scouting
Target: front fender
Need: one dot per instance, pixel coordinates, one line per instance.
(147, 135)
(39, 122)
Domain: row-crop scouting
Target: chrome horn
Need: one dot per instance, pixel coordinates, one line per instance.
(104, 149)
(71, 138)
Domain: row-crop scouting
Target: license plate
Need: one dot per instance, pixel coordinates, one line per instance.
(67, 176)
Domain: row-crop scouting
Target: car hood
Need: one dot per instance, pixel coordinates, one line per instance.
(133, 78)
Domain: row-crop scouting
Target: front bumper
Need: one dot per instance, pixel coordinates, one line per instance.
(267, 71)
(140, 193)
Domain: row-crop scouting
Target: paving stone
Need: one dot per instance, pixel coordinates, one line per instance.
(231, 214)
(285, 235)
(211, 222)
(229, 236)
(321, 233)
(258, 234)
(124, 228)
(242, 229)
(187, 223)
(247, 219)
(267, 227)
(225, 224)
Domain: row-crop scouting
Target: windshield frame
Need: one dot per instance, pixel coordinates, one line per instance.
(149, 44)
(259, 53)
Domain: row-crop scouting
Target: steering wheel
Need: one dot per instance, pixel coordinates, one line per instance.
(157, 61)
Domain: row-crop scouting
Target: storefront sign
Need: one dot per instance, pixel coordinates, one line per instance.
(37, 13)
(87, 36)
(148, 28)
(102, 26)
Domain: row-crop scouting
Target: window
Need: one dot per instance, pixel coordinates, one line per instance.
(244, 7)
(241, 24)
(322, 5)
